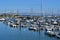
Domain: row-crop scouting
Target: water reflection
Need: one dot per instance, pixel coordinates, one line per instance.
(19, 33)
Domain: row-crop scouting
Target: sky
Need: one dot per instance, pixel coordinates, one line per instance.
(27, 5)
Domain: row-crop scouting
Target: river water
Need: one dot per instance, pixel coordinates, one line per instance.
(9, 33)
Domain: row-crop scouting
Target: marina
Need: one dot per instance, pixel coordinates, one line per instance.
(29, 20)
(34, 28)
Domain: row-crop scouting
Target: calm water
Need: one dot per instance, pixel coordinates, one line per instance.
(8, 33)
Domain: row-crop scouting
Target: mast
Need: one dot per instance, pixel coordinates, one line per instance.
(58, 13)
(31, 12)
(41, 9)
(52, 12)
(17, 12)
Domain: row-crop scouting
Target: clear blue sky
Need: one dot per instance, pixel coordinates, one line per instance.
(23, 5)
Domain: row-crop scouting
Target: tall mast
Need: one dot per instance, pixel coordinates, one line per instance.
(41, 9)
(17, 11)
(58, 12)
(52, 12)
(31, 12)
